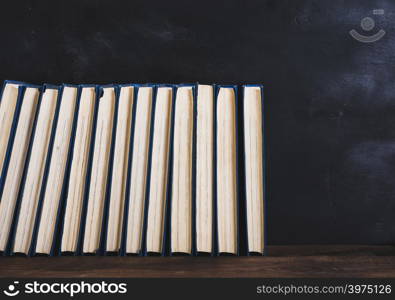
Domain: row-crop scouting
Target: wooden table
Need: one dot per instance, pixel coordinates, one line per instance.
(325, 261)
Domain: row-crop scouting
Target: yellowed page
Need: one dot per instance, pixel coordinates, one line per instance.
(57, 170)
(226, 171)
(35, 171)
(181, 202)
(17, 162)
(139, 169)
(7, 112)
(159, 168)
(253, 141)
(204, 167)
(79, 165)
(98, 184)
(120, 167)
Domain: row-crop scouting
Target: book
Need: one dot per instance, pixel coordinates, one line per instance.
(56, 173)
(100, 165)
(8, 106)
(254, 167)
(158, 186)
(78, 171)
(35, 171)
(138, 175)
(10, 188)
(181, 189)
(119, 170)
(136, 169)
(226, 167)
(204, 168)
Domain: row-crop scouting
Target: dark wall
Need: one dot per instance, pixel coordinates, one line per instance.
(330, 99)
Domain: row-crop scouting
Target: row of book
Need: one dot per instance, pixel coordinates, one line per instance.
(132, 169)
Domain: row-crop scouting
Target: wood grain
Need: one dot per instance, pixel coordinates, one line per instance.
(282, 262)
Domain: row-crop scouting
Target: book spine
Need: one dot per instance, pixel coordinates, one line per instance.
(242, 186)
(194, 149)
(238, 192)
(265, 174)
(167, 213)
(265, 161)
(215, 181)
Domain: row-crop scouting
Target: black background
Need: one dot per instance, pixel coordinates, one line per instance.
(330, 101)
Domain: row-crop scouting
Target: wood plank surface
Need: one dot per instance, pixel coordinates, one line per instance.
(325, 261)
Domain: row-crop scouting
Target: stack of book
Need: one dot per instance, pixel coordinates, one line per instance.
(132, 169)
